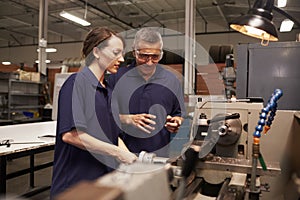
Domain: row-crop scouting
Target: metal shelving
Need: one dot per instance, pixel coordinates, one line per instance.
(20, 100)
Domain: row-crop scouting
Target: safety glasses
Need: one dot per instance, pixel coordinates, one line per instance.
(155, 57)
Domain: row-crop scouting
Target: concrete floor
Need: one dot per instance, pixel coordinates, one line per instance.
(17, 186)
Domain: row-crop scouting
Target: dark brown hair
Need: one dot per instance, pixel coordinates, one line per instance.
(97, 37)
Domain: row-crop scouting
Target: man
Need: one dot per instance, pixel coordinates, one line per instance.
(147, 98)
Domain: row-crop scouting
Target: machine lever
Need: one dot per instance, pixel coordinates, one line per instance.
(216, 119)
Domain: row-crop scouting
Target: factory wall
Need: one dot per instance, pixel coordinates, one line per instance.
(28, 54)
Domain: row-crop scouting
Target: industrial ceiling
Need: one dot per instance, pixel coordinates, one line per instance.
(19, 19)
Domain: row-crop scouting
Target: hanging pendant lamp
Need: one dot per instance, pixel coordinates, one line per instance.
(258, 22)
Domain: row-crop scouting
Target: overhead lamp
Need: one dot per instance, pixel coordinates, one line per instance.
(46, 61)
(74, 18)
(6, 63)
(49, 50)
(286, 25)
(258, 22)
(281, 3)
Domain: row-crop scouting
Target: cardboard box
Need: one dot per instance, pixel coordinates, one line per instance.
(29, 76)
(35, 76)
(25, 76)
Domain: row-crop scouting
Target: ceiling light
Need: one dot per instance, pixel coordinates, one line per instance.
(47, 61)
(281, 3)
(286, 25)
(258, 22)
(49, 50)
(6, 63)
(74, 18)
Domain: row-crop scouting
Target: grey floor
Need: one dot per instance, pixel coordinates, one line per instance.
(17, 186)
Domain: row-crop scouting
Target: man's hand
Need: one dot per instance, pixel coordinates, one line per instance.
(141, 121)
(173, 123)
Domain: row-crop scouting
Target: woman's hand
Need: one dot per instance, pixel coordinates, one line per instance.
(125, 156)
(141, 121)
(87, 142)
(173, 123)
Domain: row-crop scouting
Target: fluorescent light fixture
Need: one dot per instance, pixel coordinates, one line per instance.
(49, 50)
(47, 61)
(74, 18)
(281, 3)
(6, 63)
(286, 25)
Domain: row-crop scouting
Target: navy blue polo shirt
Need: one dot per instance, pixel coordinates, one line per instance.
(161, 95)
(83, 104)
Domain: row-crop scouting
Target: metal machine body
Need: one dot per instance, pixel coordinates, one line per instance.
(139, 180)
(229, 156)
(223, 166)
(229, 76)
(234, 142)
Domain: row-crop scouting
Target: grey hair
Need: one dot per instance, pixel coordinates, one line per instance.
(147, 34)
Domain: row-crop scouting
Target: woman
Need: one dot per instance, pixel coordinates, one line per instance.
(86, 139)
